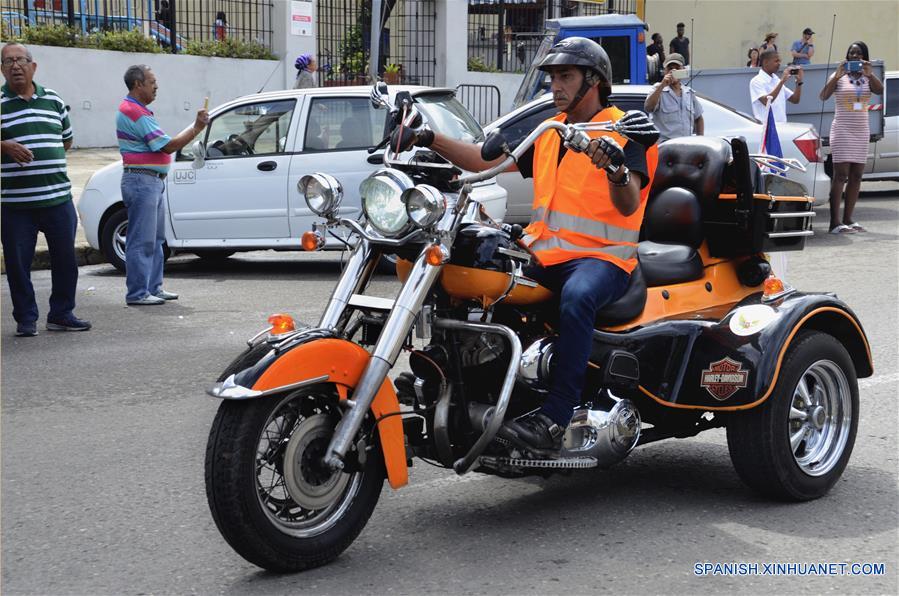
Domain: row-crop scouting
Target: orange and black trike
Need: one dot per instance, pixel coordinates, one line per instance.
(313, 419)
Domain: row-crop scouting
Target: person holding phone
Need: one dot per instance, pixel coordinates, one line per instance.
(852, 85)
(673, 105)
(768, 84)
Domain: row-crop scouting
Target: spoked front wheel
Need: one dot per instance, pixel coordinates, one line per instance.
(796, 445)
(270, 495)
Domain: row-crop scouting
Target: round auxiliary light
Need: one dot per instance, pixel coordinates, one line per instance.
(323, 193)
(425, 205)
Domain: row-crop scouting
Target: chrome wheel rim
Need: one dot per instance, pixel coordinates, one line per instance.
(298, 494)
(119, 234)
(820, 418)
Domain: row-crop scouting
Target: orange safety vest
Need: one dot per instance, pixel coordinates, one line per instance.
(573, 215)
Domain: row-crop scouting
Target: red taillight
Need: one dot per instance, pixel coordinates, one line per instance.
(809, 144)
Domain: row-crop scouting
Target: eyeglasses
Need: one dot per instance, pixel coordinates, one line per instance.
(20, 60)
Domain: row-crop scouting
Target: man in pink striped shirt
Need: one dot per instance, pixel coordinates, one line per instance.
(146, 154)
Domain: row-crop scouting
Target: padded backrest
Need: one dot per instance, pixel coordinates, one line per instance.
(694, 163)
(674, 217)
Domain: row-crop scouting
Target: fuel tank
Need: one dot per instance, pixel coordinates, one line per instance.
(479, 270)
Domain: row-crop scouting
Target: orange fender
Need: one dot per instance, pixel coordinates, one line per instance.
(343, 362)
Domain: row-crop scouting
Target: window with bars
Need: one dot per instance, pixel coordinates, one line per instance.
(504, 35)
(407, 44)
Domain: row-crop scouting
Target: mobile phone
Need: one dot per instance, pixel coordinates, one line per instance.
(681, 73)
(854, 66)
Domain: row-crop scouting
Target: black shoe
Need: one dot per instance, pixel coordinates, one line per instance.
(26, 330)
(72, 323)
(536, 433)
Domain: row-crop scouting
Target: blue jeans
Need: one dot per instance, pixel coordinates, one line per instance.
(583, 286)
(143, 195)
(19, 232)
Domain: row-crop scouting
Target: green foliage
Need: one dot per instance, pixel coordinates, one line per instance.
(392, 68)
(50, 35)
(477, 64)
(229, 48)
(123, 41)
(352, 53)
(136, 41)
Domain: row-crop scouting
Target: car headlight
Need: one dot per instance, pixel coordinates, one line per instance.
(323, 193)
(425, 205)
(382, 201)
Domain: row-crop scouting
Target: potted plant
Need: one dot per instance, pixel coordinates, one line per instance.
(392, 74)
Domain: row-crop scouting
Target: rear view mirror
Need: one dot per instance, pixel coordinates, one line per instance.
(379, 95)
(636, 126)
(495, 146)
(199, 151)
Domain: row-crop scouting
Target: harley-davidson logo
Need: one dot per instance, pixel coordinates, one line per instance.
(724, 378)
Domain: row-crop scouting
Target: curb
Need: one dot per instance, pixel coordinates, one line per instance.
(84, 255)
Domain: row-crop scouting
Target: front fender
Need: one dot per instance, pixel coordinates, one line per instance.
(717, 362)
(337, 361)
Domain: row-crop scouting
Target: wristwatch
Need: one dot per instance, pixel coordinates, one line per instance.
(624, 181)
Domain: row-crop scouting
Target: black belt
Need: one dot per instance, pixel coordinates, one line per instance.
(159, 175)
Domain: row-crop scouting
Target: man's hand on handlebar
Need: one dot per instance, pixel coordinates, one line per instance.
(604, 152)
(403, 139)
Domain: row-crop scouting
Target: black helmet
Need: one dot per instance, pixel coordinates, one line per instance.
(579, 51)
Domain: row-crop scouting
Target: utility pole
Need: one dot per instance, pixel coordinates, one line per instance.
(374, 55)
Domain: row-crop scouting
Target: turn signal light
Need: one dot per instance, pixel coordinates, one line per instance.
(436, 255)
(773, 285)
(281, 323)
(312, 241)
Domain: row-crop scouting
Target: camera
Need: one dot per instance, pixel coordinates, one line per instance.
(680, 74)
(854, 66)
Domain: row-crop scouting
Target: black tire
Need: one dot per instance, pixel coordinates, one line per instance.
(214, 255)
(112, 240)
(259, 533)
(824, 425)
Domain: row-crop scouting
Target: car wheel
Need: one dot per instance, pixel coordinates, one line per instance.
(112, 240)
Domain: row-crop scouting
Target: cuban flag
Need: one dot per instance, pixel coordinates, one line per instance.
(770, 140)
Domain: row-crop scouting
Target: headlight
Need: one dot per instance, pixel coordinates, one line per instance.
(323, 193)
(382, 201)
(424, 205)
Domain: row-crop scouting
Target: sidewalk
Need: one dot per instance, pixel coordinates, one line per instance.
(82, 163)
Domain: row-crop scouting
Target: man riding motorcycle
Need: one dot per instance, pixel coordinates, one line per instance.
(587, 212)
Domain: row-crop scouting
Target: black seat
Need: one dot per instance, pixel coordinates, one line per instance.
(689, 174)
(626, 308)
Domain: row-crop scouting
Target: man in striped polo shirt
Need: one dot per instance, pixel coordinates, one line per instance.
(146, 155)
(37, 194)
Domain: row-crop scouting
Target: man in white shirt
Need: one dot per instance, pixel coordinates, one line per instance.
(767, 83)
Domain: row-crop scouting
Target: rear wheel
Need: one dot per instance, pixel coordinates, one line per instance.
(796, 445)
(271, 497)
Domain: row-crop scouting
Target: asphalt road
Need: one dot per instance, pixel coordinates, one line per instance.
(103, 437)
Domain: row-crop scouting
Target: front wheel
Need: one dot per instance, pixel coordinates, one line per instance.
(796, 445)
(271, 497)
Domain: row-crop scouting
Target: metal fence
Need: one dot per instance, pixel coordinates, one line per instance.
(483, 101)
(504, 35)
(407, 52)
(172, 23)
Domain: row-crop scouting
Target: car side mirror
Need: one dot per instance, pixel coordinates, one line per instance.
(495, 146)
(199, 151)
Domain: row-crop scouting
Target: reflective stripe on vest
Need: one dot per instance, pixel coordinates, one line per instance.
(620, 251)
(557, 221)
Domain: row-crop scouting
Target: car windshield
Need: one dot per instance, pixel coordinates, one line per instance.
(449, 117)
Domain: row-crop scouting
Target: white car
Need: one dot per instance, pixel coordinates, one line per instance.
(883, 159)
(245, 197)
(798, 141)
